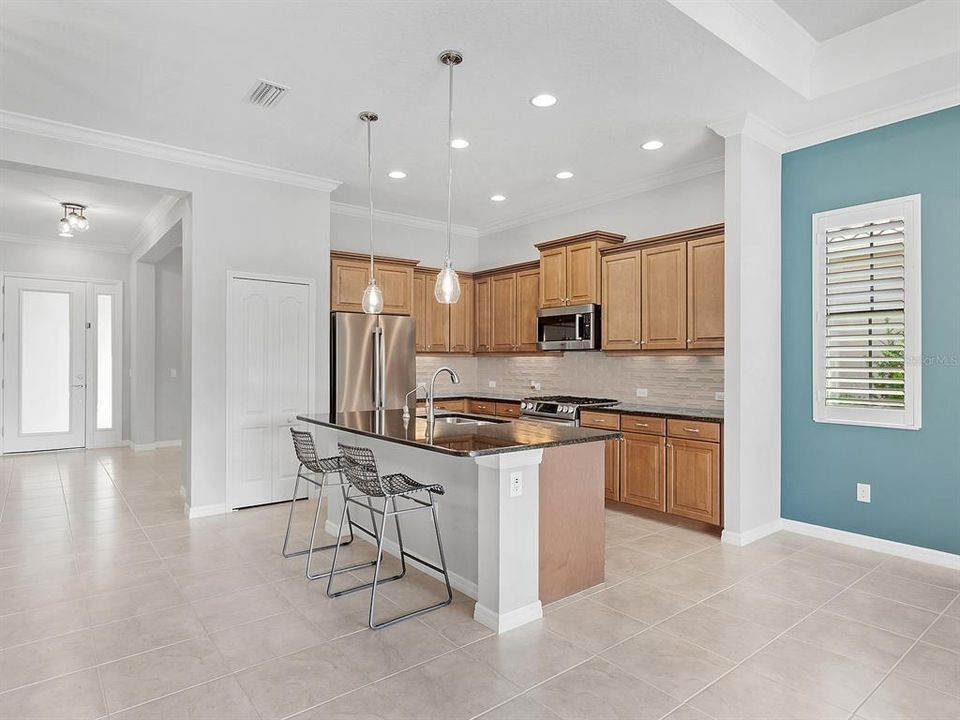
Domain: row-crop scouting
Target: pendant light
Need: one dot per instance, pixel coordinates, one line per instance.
(372, 296)
(447, 289)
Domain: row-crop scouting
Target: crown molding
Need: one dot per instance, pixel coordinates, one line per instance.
(18, 122)
(359, 211)
(671, 177)
(62, 244)
(753, 127)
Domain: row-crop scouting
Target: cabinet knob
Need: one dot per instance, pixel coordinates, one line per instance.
(688, 339)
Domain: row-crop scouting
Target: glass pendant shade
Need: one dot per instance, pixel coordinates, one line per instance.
(83, 224)
(373, 298)
(64, 228)
(74, 220)
(447, 289)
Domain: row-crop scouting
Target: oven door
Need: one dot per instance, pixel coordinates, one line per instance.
(569, 328)
(549, 420)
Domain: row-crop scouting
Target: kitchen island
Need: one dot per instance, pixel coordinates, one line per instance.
(522, 516)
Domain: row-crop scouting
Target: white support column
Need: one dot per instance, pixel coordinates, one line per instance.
(143, 350)
(508, 546)
(751, 459)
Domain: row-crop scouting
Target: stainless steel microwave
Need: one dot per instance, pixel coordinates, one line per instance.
(576, 327)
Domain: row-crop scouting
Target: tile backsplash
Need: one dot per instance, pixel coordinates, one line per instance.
(680, 380)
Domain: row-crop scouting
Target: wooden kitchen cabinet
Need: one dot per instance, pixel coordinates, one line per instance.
(642, 470)
(483, 340)
(508, 409)
(506, 317)
(620, 300)
(570, 268)
(438, 323)
(693, 479)
(442, 328)
(553, 277)
(462, 318)
(349, 273)
(663, 297)
(503, 312)
(705, 292)
(611, 469)
(482, 407)
(420, 310)
(528, 294)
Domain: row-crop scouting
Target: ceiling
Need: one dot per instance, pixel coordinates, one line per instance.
(624, 73)
(30, 208)
(827, 20)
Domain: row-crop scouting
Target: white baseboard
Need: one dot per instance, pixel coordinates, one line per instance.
(503, 622)
(457, 582)
(200, 511)
(750, 536)
(890, 547)
(154, 445)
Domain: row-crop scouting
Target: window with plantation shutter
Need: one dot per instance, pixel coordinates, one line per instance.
(866, 314)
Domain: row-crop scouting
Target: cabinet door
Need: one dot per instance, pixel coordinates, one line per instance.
(553, 277)
(705, 293)
(620, 316)
(693, 480)
(663, 297)
(396, 281)
(642, 468)
(528, 293)
(611, 469)
(582, 273)
(420, 309)
(348, 280)
(438, 326)
(481, 303)
(503, 312)
(461, 319)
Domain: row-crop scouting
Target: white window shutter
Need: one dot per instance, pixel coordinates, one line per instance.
(866, 294)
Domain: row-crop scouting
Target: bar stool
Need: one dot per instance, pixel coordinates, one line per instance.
(322, 468)
(360, 468)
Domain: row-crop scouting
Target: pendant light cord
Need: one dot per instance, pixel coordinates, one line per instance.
(449, 162)
(370, 190)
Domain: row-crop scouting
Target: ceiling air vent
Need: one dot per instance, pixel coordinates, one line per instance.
(267, 94)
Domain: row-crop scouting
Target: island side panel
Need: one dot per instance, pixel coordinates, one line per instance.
(571, 520)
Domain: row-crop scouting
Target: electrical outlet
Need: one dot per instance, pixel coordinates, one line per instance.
(534, 385)
(718, 396)
(863, 492)
(642, 392)
(491, 383)
(173, 373)
(516, 484)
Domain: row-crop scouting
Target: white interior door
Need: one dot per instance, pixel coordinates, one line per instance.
(44, 360)
(269, 385)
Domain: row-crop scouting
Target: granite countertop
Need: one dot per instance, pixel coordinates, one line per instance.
(493, 438)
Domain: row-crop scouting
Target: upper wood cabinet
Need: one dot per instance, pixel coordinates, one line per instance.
(663, 297)
(503, 312)
(620, 318)
(528, 293)
(482, 302)
(348, 279)
(419, 313)
(442, 328)
(506, 316)
(570, 268)
(705, 292)
(462, 318)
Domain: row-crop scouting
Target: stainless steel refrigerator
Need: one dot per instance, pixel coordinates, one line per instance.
(372, 361)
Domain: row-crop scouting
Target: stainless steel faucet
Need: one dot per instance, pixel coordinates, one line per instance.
(430, 391)
(406, 400)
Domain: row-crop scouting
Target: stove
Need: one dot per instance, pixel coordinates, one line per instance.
(563, 409)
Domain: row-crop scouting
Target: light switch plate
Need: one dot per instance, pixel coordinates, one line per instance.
(173, 373)
(491, 383)
(642, 392)
(863, 492)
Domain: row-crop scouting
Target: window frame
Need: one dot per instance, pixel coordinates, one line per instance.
(909, 417)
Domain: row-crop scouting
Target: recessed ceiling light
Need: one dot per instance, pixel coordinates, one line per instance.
(543, 100)
(564, 175)
(459, 143)
(652, 145)
(498, 198)
(397, 174)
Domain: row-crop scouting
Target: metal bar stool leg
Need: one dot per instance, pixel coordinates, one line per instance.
(316, 520)
(286, 538)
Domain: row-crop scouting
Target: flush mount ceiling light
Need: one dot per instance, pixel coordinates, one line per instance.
(498, 198)
(73, 220)
(447, 288)
(459, 143)
(564, 175)
(372, 303)
(396, 174)
(652, 145)
(543, 100)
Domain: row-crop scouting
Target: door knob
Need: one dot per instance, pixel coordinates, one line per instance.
(78, 386)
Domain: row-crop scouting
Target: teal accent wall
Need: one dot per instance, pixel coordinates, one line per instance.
(915, 475)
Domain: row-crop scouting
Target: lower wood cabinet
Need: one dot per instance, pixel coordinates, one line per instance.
(642, 468)
(611, 469)
(693, 479)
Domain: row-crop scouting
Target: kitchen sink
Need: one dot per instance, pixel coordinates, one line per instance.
(458, 419)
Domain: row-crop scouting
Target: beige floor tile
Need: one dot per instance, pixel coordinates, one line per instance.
(846, 553)
(726, 635)
(923, 572)
(730, 563)
(36, 595)
(150, 675)
(528, 655)
(815, 672)
(665, 547)
(202, 562)
(455, 622)
(92, 543)
(121, 604)
(642, 601)
(746, 695)
(44, 659)
(796, 586)
(675, 666)
(905, 590)
(620, 532)
(899, 699)
(520, 708)
(687, 581)
(145, 632)
(270, 637)
(39, 571)
(625, 561)
(223, 698)
(71, 697)
(125, 576)
(887, 614)
(687, 712)
(864, 643)
(763, 608)
(240, 607)
(932, 666)
(44, 622)
(217, 582)
(945, 632)
(592, 626)
(824, 568)
(954, 609)
(599, 690)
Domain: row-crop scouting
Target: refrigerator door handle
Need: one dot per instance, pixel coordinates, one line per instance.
(378, 368)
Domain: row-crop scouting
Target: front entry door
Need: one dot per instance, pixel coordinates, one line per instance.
(44, 350)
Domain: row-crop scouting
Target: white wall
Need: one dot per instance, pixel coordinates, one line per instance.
(67, 262)
(169, 328)
(429, 245)
(680, 206)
